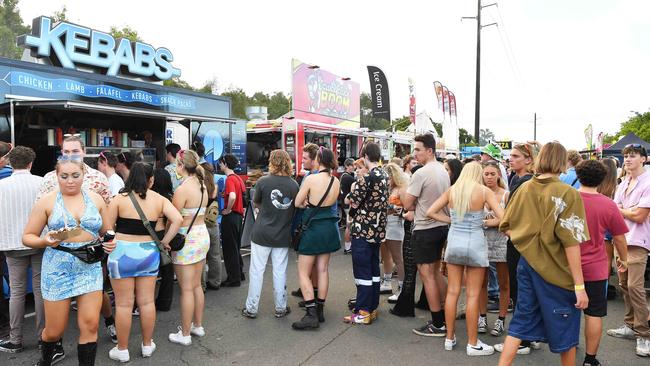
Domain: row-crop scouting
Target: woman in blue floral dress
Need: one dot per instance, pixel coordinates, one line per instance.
(64, 276)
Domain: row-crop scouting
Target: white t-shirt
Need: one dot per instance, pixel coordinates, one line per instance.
(115, 183)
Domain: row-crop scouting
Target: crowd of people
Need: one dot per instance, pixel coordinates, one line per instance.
(538, 235)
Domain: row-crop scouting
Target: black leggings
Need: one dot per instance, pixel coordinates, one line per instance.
(405, 303)
(512, 257)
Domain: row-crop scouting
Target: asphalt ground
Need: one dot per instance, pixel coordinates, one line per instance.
(234, 340)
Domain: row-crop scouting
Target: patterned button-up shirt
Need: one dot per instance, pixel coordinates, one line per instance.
(371, 194)
(94, 181)
(176, 179)
(17, 197)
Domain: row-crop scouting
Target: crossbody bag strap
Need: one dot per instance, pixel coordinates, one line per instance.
(144, 219)
(329, 187)
(196, 214)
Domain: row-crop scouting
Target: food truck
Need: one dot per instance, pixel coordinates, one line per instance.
(109, 92)
(80, 81)
(325, 111)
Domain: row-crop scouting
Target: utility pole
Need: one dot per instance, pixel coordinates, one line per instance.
(479, 26)
(535, 126)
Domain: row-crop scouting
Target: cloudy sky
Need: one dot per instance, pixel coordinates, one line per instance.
(573, 62)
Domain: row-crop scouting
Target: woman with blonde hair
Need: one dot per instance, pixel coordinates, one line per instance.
(466, 251)
(395, 227)
(274, 197)
(191, 199)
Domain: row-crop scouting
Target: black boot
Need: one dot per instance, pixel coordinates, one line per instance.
(47, 352)
(320, 305)
(310, 320)
(86, 353)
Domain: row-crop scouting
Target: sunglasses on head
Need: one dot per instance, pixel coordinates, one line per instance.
(72, 158)
(71, 135)
(634, 146)
(490, 163)
(525, 147)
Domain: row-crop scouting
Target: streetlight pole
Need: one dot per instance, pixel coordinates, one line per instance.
(477, 100)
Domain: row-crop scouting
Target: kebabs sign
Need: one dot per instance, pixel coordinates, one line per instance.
(69, 45)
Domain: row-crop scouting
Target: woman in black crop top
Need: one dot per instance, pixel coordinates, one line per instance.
(133, 265)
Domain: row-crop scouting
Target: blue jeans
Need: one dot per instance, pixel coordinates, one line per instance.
(365, 266)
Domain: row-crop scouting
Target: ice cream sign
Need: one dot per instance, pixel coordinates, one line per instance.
(69, 45)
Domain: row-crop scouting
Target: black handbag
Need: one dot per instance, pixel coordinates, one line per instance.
(90, 253)
(295, 240)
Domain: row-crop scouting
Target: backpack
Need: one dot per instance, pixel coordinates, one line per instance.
(212, 214)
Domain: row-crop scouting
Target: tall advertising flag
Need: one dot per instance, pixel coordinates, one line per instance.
(589, 133)
(452, 106)
(412, 101)
(445, 101)
(379, 90)
(438, 88)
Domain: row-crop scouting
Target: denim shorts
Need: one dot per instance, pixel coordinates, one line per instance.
(544, 312)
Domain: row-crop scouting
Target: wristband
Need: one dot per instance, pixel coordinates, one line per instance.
(579, 287)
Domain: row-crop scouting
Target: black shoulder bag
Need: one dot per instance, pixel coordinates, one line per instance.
(165, 258)
(305, 224)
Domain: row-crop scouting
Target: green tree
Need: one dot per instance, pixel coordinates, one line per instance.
(61, 15)
(438, 127)
(11, 26)
(485, 136)
(639, 124)
(239, 102)
(464, 138)
(279, 105)
(177, 82)
(367, 118)
(402, 123)
(125, 32)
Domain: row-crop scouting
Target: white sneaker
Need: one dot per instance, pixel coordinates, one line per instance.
(482, 324)
(643, 347)
(535, 345)
(385, 287)
(147, 351)
(623, 332)
(480, 349)
(119, 355)
(521, 351)
(450, 344)
(392, 299)
(179, 338)
(197, 331)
